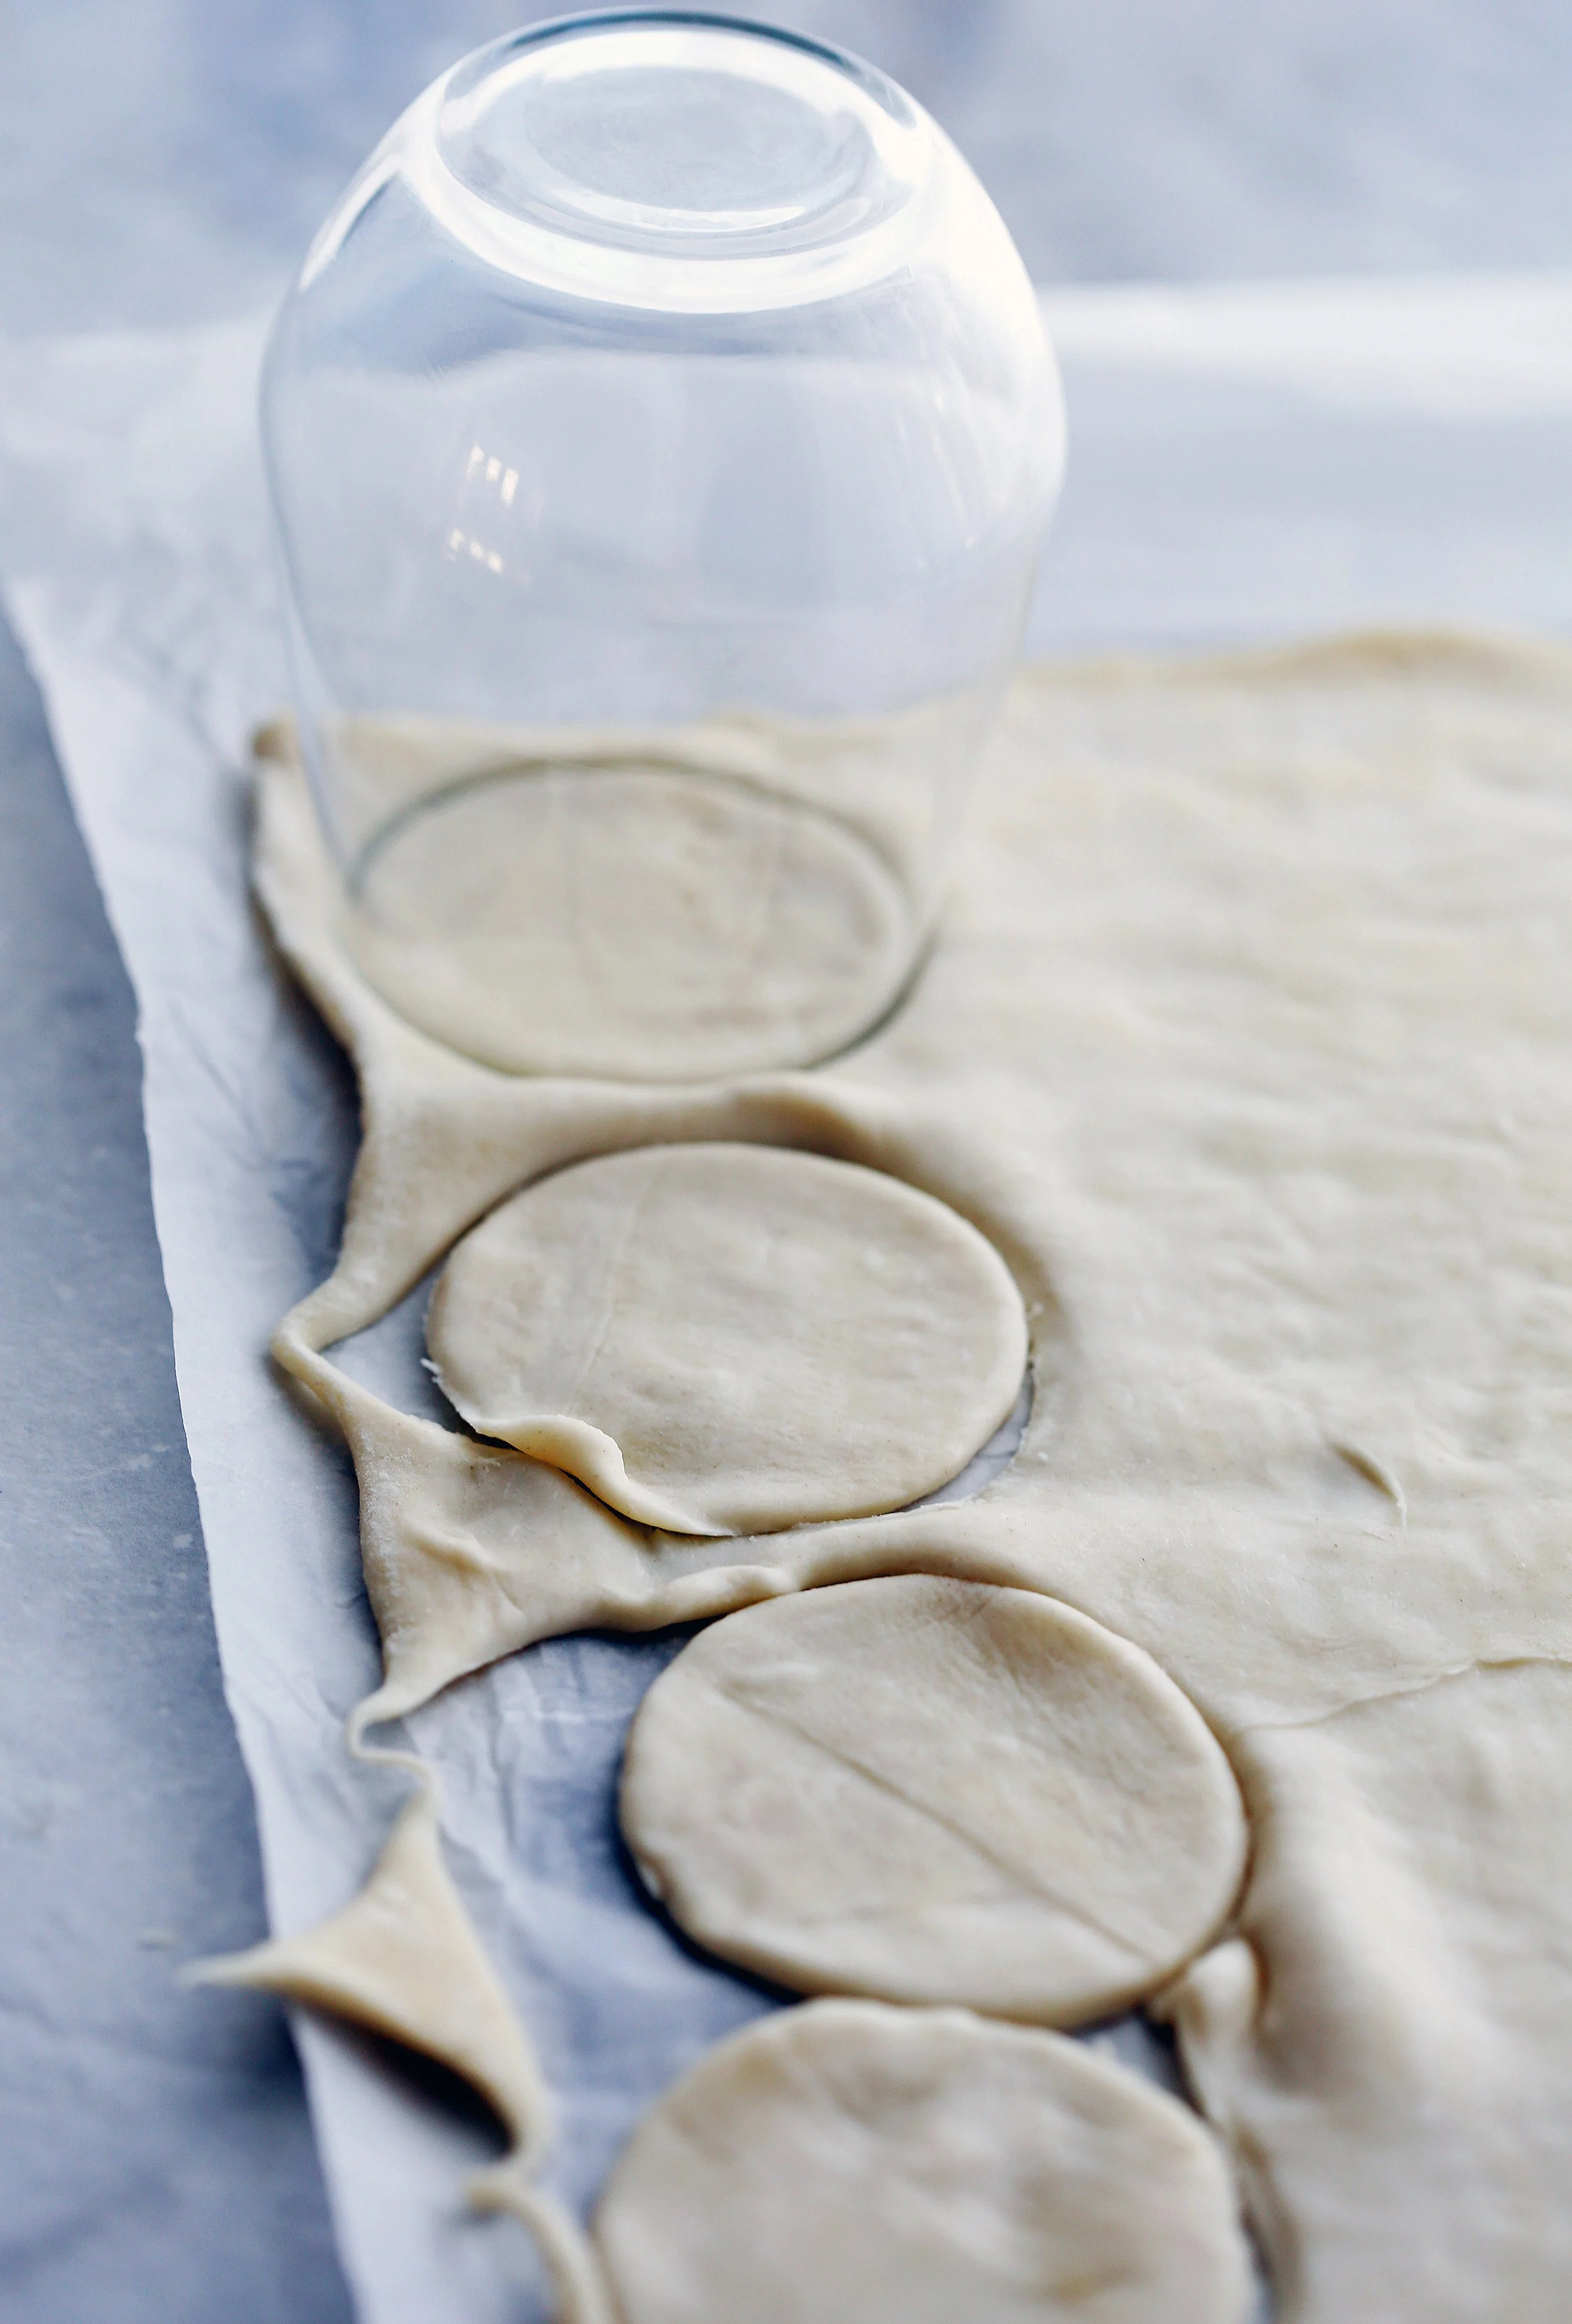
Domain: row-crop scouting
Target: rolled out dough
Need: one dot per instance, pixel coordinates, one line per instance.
(1248, 1046)
(730, 1339)
(1393, 2028)
(850, 2164)
(931, 1791)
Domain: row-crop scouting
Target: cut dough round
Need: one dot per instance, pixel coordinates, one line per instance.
(933, 1791)
(850, 2164)
(631, 920)
(731, 1339)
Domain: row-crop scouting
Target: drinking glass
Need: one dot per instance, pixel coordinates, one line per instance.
(661, 434)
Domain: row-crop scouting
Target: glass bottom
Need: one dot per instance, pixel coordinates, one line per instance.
(630, 921)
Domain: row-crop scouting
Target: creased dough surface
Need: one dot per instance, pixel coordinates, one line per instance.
(1411, 2058)
(929, 1791)
(850, 2164)
(1248, 1046)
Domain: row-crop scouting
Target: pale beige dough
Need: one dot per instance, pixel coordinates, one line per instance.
(403, 1959)
(731, 1339)
(1247, 1044)
(849, 2163)
(929, 1791)
(1406, 2052)
(768, 932)
(737, 894)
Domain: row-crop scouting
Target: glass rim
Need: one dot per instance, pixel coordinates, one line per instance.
(698, 263)
(578, 20)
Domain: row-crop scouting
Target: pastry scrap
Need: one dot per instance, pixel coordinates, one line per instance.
(402, 1959)
(851, 2163)
(932, 1791)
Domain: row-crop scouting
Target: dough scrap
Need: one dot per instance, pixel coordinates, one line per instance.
(846, 2163)
(731, 1339)
(928, 1791)
(402, 1959)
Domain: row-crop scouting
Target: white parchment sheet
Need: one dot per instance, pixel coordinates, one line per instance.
(143, 596)
(1243, 464)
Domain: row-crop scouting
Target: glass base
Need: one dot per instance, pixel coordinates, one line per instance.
(630, 921)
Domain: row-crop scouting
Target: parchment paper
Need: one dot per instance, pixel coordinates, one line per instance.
(1245, 464)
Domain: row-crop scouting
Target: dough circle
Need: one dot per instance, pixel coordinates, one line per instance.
(928, 1791)
(731, 1339)
(850, 2164)
(633, 921)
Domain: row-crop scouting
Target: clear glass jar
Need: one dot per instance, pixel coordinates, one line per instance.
(661, 434)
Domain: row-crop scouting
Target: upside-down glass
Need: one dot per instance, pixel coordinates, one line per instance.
(660, 435)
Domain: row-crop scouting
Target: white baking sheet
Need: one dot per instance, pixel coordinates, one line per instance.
(1244, 463)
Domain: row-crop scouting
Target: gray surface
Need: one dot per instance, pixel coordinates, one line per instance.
(166, 162)
(170, 2178)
